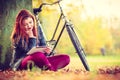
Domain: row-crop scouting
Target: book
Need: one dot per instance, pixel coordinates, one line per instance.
(36, 49)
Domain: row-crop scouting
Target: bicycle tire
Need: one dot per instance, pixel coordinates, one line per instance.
(77, 45)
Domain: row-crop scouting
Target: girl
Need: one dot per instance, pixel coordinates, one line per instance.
(24, 37)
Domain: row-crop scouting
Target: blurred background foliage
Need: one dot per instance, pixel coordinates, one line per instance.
(98, 35)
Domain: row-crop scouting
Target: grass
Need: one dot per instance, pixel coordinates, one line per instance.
(95, 61)
(74, 71)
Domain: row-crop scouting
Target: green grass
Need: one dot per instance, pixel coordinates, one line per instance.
(95, 62)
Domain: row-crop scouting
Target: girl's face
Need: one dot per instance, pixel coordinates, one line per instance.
(28, 24)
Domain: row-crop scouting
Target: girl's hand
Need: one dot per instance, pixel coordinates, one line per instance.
(47, 50)
(30, 33)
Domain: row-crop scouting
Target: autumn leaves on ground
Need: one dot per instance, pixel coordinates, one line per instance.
(101, 68)
(106, 73)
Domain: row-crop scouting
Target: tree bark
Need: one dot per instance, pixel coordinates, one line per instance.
(8, 12)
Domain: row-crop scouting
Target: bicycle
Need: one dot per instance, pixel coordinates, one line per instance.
(71, 32)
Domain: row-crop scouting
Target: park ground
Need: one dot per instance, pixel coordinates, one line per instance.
(101, 68)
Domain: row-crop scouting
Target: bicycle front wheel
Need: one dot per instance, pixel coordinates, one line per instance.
(77, 45)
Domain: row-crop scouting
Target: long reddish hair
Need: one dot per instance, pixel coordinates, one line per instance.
(18, 32)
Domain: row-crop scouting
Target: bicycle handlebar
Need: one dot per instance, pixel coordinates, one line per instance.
(36, 10)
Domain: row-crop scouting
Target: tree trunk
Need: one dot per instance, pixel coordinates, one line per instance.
(8, 12)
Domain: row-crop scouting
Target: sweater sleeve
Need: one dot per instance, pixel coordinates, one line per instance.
(21, 51)
(41, 37)
(32, 43)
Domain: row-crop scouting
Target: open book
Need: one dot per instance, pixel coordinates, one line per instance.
(36, 49)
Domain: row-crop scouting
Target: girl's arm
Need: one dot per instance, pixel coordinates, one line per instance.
(41, 37)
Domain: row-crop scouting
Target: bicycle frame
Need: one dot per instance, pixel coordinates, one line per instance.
(72, 35)
(61, 32)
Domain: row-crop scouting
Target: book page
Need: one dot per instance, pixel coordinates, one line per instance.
(36, 49)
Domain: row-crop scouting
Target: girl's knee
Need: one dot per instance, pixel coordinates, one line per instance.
(66, 58)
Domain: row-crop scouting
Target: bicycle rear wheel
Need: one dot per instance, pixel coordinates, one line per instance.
(77, 45)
